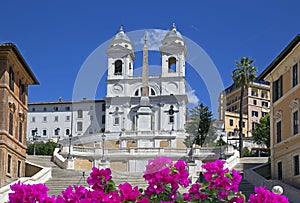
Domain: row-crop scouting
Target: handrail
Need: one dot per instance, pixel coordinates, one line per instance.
(40, 177)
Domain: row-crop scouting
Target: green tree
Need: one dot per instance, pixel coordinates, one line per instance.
(242, 76)
(42, 148)
(261, 132)
(198, 125)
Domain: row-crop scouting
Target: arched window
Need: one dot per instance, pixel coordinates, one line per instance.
(118, 67)
(172, 64)
(67, 131)
(152, 93)
(136, 93)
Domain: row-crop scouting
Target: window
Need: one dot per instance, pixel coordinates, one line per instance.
(103, 119)
(136, 93)
(243, 124)
(264, 104)
(152, 92)
(295, 75)
(295, 123)
(44, 132)
(8, 163)
(279, 170)
(20, 132)
(11, 79)
(254, 102)
(55, 108)
(296, 165)
(118, 67)
(254, 124)
(21, 91)
(117, 120)
(45, 109)
(254, 113)
(45, 119)
(19, 169)
(56, 131)
(278, 131)
(91, 117)
(79, 114)
(264, 95)
(67, 131)
(91, 107)
(67, 108)
(33, 109)
(172, 64)
(79, 126)
(33, 119)
(277, 89)
(56, 119)
(11, 123)
(32, 132)
(67, 118)
(230, 122)
(254, 93)
(103, 107)
(263, 114)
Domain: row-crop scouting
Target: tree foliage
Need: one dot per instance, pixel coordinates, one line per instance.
(242, 76)
(261, 132)
(198, 125)
(42, 148)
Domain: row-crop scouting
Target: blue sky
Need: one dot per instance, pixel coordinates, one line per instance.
(56, 37)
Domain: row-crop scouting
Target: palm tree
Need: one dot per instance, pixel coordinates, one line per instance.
(242, 76)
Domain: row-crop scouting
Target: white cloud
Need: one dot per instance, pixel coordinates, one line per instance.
(192, 98)
(154, 38)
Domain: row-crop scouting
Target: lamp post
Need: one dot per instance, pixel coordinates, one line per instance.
(70, 140)
(221, 142)
(34, 140)
(225, 135)
(103, 139)
(236, 133)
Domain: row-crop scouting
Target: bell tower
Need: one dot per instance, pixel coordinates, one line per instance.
(120, 56)
(173, 52)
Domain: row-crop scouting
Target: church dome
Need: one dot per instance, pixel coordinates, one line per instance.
(121, 39)
(172, 36)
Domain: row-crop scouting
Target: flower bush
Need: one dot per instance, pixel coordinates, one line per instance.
(164, 180)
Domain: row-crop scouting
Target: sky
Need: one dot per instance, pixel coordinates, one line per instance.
(57, 37)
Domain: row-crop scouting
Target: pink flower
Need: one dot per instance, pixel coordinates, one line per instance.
(158, 164)
(128, 193)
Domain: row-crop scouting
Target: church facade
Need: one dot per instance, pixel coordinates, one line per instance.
(146, 111)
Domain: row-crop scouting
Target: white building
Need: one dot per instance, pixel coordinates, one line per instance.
(51, 120)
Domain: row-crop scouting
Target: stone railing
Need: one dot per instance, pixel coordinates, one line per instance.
(232, 160)
(76, 150)
(61, 161)
(257, 180)
(43, 175)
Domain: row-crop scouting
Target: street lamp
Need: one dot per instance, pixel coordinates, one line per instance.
(103, 139)
(70, 140)
(34, 140)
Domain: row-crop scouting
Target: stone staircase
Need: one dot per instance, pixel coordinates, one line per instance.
(45, 161)
(135, 179)
(246, 163)
(61, 178)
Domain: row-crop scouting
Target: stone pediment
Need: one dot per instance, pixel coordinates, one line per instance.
(173, 47)
(119, 51)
